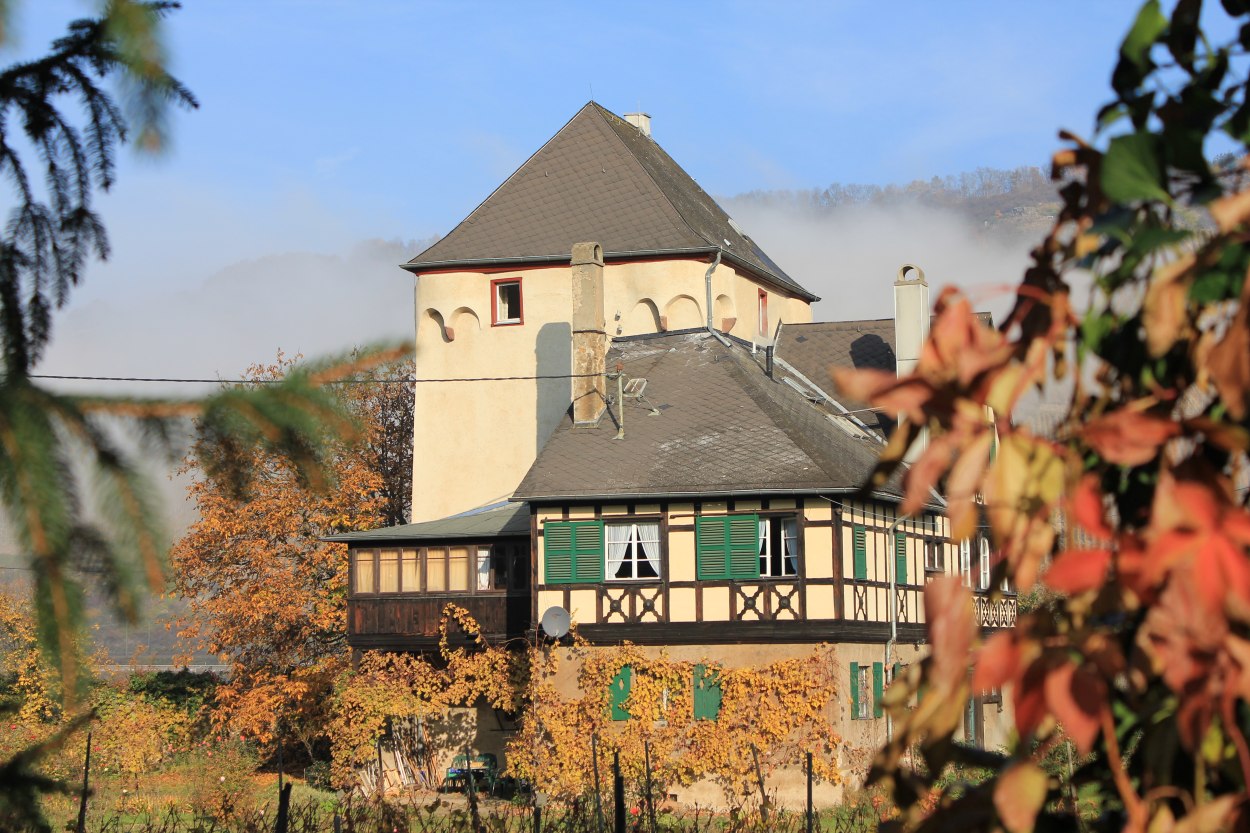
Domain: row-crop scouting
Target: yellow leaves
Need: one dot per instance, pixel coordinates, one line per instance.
(780, 709)
(1022, 490)
(1019, 796)
(1164, 310)
(1231, 211)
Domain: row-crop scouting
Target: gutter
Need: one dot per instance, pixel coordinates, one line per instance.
(563, 259)
(854, 492)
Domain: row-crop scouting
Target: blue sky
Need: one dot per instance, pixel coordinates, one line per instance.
(324, 124)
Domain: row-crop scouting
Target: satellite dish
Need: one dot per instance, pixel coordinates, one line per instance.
(555, 622)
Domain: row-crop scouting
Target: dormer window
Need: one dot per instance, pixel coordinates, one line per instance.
(506, 302)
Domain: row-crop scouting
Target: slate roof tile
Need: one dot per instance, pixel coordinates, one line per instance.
(599, 178)
(722, 427)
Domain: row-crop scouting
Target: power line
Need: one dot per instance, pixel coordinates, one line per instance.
(334, 382)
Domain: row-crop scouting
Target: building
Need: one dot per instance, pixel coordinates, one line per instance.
(493, 296)
(695, 486)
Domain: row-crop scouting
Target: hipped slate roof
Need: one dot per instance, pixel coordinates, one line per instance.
(723, 428)
(498, 522)
(599, 178)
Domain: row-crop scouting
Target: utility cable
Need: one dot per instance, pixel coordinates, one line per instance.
(334, 382)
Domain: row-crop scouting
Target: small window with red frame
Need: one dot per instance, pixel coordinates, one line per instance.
(506, 302)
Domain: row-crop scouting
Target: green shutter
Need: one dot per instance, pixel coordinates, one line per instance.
(900, 557)
(854, 691)
(620, 692)
(707, 693)
(859, 551)
(727, 546)
(744, 546)
(558, 553)
(878, 688)
(572, 552)
(711, 549)
(588, 551)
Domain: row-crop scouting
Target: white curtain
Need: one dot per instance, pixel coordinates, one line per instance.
(790, 534)
(985, 563)
(618, 547)
(649, 537)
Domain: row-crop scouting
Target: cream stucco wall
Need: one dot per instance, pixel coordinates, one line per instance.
(474, 441)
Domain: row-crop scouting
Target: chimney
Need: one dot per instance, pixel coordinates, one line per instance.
(911, 317)
(642, 121)
(911, 330)
(590, 339)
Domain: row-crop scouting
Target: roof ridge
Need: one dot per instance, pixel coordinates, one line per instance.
(603, 112)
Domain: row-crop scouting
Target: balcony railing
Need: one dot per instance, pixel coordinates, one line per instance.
(995, 613)
(397, 620)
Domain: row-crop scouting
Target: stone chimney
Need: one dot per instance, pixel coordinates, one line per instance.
(642, 121)
(590, 339)
(911, 330)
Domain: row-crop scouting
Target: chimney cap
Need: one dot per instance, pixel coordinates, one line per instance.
(910, 273)
(640, 120)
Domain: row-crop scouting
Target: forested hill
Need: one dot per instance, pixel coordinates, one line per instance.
(1014, 203)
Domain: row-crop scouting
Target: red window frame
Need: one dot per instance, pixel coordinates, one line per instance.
(494, 303)
(762, 314)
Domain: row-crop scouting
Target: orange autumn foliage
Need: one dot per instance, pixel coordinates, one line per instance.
(266, 594)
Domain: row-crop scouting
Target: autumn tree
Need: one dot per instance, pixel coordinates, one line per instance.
(266, 593)
(390, 404)
(1142, 662)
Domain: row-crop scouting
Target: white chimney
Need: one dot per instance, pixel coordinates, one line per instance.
(911, 330)
(642, 121)
(911, 317)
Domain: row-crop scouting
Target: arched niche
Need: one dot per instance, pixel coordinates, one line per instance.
(643, 318)
(464, 323)
(682, 313)
(724, 312)
(431, 328)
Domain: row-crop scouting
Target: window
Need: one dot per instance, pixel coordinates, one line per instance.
(573, 552)
(362, 563)
(707, 693)
(934, 556)
(388, 571)
(965, 562)
(483, 568)
(633, 551)
(619, 692)
(984, 583)
(486, 568)
(505, 302)
(859, 552)
(727, 547)
(763, 313)
(779, 547)
(866, 691)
